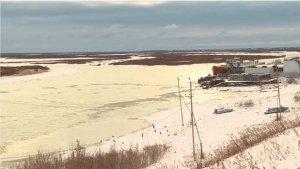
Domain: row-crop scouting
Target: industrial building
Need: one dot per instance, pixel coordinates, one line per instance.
(291, 67)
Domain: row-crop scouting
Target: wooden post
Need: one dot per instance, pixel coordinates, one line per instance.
(201, 148)
(279, 97)
(180, 102)
(192, 120)
(260, 85)
(279, 102)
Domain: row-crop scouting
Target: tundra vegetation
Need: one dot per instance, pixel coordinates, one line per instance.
(247, 103)
(297, 97)
(245, 139)
(132, 158)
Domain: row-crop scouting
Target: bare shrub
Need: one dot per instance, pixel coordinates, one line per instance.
(247, 138)
(113, 159)
(291, 80)
(248, 103)
(297, 97)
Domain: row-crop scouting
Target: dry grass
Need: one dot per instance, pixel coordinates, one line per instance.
(297, 97)
(113, 159)
(247, 138)
(291, 80)
(248, 103)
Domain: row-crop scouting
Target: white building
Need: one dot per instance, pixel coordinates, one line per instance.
(247, 63)
(291, 67)
(259, 70)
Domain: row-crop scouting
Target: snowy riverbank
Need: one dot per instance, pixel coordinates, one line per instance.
(214, 129)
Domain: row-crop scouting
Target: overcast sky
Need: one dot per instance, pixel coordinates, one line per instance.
(99, 26)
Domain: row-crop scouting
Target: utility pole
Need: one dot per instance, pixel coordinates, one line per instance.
(260, 85)
(279, 97)
(180, 102)
(201, 148)
(278, 89)
(192, 120)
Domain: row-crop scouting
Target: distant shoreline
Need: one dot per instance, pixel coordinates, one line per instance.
(189, 58)
(146, 59)
(212, 50)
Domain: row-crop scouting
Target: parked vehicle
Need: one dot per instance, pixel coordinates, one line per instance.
(280, 109)
(222, 110)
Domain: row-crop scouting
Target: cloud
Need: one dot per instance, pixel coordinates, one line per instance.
(134, 25)
(135, 2)
(171, 27)
(223, 33)
(97, 3)
(100, 32)
(114, 26)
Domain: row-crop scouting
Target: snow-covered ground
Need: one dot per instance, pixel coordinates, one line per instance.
(165, 127)
(282, 151)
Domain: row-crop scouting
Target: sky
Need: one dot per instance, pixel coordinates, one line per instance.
(103, 26)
